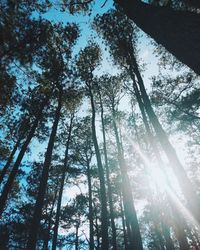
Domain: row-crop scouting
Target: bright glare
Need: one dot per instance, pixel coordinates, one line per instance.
(159, 182)
(183, 210)
(156, 175)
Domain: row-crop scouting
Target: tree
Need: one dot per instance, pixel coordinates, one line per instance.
(56, 71)
(12, 175)
(71, 105)
(87, 62)
(53, 194)
(73, 215)
(83, 150)
(99, 93)
(44, 177)
(29, 109)
(158, 22)
(112, 95)
(124, 53)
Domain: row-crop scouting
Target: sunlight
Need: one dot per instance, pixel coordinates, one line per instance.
(99, 125)
(183, 210)
(156, 175)
(159, 182)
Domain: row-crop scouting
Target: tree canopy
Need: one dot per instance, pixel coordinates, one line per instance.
(99, 125)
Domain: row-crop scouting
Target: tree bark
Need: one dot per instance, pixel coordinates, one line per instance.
(97, 228)
(11, 178)
(90, 207)
(104, 212)
(44, 178)
(46, 241)
(177, 31)
(112, 218)
(167, 236)
(76, 239)
(123, 224)
(65, 167)
(129, 208)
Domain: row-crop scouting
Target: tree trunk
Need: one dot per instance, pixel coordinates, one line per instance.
(179, 225)
(55, 231)
(104, 213)
(90, 207)
(46, 241)
(129, 208)
(112, 218)
(181, 237)
(123, 224)
(150, 136)
(13, 173)
(177, 31)
(97, 228)
(5, 238)
(160, 238)
(76, 239)
(179, 230)
(167, 236)
(5, 168)
(43, 181)
(185, 184)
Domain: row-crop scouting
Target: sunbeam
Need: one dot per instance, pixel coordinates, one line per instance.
(160, 179)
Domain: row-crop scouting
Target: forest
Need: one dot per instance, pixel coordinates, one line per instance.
(99, 125)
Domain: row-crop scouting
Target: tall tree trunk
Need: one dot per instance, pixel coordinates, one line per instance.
(129, 208)
(104, 212)
(150, 136)
(160, 238)
(179, 225)
(46, 241)
(76, 239)
(44, 178)
(90, 206)
(185, 184)
(65, 167)
(5, 238)
(7, 165)
(97, 228)
(8, 185)
(112, 218)
(167, 236)
(177, 31)
(181, 237)
(123, 224)
(160, 224)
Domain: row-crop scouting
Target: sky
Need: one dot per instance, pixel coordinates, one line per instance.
(145, 53)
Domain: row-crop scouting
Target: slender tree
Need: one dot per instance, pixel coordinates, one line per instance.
(111, 91)
(13, 173)
(114, 240)
(88, 60)
(74, 99)
(44, 177)
(83, 149)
